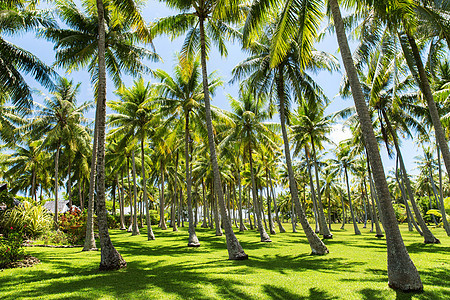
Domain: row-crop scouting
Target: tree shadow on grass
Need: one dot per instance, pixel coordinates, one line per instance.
(422, 247)
(277, 293)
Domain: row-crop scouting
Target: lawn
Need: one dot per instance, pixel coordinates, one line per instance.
(167, 269)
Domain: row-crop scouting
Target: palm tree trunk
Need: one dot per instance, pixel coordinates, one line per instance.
(110, 258)
(89, 241)
(162, 221)
(343, 210)
(269, 208)
(316, 244)
(235, 250)
(368, 204)
(193, 240)
(441, 206)
(434, 114)
(69, 179)
(205, 207)
(241, 218)
(402, 274)
(313, 193)
(429, 238)
(55, 217)
(326, 233)
(33, 185)
(150, 235)
(135, 228)
(275, 206)
(355, 226)
(262, 232)
(441, 197)
(293, 218)
(122, 203)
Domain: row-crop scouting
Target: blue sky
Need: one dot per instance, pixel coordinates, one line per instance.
(166, 49)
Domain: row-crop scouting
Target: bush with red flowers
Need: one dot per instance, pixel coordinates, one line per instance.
(73, 223)
(11, 247)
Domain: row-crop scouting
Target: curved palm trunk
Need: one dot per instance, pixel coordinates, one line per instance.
(262, 232)
(343, 210)
(150, 235)
(441, 197)
(368, 204)
(235, 250)
(241, 218)
(313, 193)
(429, 238)
(405, 199)
(441, 206)
(193, 240)
(402, 274)
(355, 226)
(322, 221)
(162, 221)
(275, 206)
(55, 217)
(205, 207)
(316, 244)
(110, 258)
(216, 214)
(89, 241)
(434, 114)
(135, 227)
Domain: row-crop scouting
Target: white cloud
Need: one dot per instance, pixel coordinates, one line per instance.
(339, 133)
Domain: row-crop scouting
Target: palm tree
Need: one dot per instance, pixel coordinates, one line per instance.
(216, 15)
(310, 125)
(183, 94)
(19, 17)
(344, 161)
(60, 120)
(135, 119)
(250, 130)
(285, 75)
(402, 273)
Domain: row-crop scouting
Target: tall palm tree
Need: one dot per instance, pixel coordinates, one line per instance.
(285, 75)
(309, 125)
(182, 97)
(216, 15)
(59, 119)
(402, 273)
(135, 118)
(250, 130)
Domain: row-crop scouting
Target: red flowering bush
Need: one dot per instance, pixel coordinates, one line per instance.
(11, 247)
(73, 223)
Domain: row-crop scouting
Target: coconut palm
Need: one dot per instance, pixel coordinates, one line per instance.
(135, 119)
(309, 125)
(216, 15)
(283, 77)
(182, 97)
(250, 130)
(59, 120)
(18, 17)
(402, 273)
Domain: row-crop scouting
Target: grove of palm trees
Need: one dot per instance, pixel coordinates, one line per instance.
(137, 162)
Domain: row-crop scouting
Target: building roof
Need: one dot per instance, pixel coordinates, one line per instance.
(62, 206)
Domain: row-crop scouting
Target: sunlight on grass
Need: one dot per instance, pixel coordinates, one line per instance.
(167, 269)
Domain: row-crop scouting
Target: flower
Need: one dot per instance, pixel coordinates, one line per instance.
(7, 250)
(11, 228)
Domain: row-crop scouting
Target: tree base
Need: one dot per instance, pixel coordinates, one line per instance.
(239, 257)
(195, 245)
(266, 240)
(379, 235)
(418, 289)
(327, 236)
(434, 241)
(90, 249)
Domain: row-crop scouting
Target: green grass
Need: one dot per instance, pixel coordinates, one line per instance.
(167, 269)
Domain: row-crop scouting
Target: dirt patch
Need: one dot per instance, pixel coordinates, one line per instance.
(28, 261)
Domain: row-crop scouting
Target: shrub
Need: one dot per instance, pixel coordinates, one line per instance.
(11, 247)
(57, 237)
(73, 223)
(400, 212)
(32, 220)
